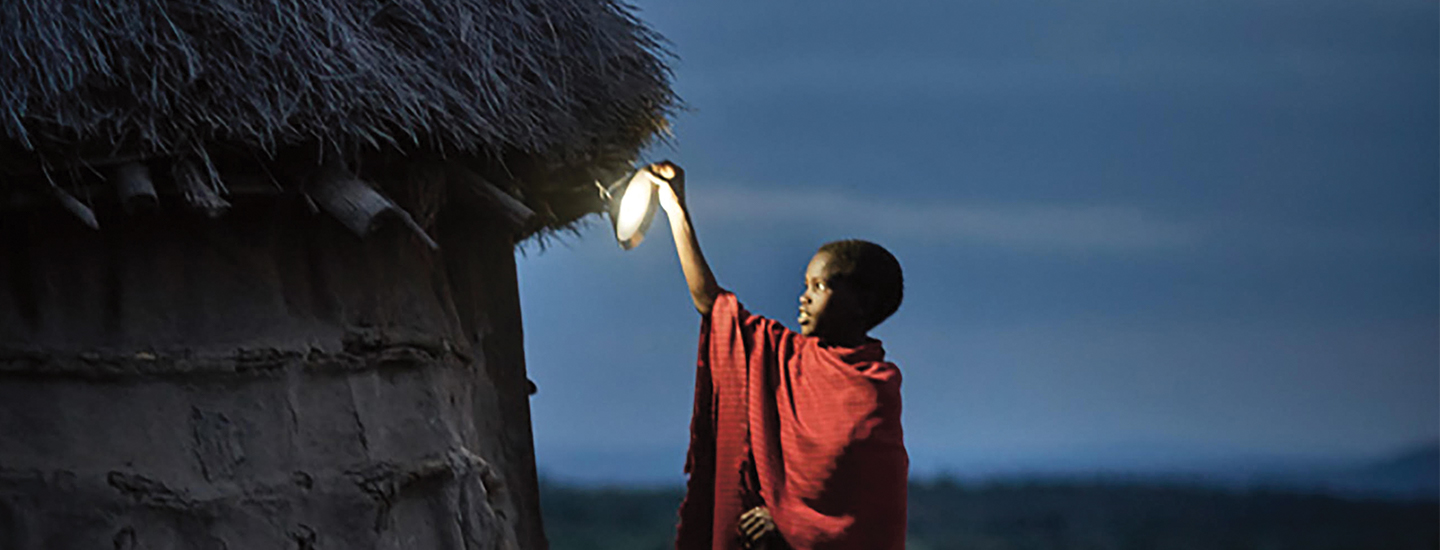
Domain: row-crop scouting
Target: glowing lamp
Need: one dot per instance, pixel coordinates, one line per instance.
(631, 202)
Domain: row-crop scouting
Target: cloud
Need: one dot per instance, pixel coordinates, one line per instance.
(1027, 226)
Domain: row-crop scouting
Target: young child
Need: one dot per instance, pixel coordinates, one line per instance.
(795, 439)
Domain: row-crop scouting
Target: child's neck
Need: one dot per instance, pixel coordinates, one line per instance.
(844, 340)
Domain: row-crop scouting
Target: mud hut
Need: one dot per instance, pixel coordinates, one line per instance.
(257, 277)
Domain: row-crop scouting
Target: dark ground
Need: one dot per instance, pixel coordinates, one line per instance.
(1049, 515)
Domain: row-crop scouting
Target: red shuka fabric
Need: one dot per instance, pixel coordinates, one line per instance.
(824, 427)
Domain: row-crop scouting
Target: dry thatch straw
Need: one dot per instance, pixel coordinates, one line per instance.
(561, 81)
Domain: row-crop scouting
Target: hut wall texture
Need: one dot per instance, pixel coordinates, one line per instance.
(262, 380)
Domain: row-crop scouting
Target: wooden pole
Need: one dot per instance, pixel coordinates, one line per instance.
(357, 205)
(136, 190)
(198, 189)
(515, 213)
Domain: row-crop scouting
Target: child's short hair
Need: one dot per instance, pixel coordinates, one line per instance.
(871, 270)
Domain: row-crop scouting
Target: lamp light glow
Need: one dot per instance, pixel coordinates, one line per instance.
(634, 206)
(631, 202)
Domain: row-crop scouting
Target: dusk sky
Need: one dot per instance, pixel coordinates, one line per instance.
(1131, 230)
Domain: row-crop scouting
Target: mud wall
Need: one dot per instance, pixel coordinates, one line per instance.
(261, 380)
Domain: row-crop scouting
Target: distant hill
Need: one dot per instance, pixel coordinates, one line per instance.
(1409, 474)
(1412, 473)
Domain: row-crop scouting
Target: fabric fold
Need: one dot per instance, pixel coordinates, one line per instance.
(822, 425)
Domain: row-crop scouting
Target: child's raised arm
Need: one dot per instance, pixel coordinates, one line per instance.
(703, 288)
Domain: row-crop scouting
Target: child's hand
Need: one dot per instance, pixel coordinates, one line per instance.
(672, 185)
(755, 525)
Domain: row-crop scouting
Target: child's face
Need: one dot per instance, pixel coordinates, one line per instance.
(829, 310)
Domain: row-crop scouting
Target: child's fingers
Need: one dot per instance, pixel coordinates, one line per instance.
(755, 526)
(750, 530)
(756, 529)
(671, 174)
(755, 532)
(749, 523)
(750, 534)
(666, 170)
(755, 523)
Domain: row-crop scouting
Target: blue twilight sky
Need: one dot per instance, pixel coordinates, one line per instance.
(1135, 233)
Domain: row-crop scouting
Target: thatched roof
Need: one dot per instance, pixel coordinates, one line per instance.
(563, 82)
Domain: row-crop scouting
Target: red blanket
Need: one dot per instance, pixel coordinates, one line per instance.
(823, 427)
